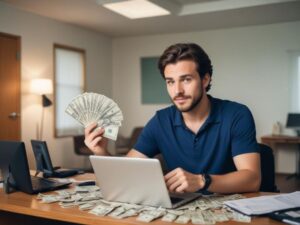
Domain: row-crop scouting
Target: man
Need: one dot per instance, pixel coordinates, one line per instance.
(208, 144)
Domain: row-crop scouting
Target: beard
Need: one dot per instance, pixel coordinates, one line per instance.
(190, 107)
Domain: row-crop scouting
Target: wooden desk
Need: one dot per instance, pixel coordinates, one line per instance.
(273, 140)
(21, 208)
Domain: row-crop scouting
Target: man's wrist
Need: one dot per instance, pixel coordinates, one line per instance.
(201, 181)
(101, 152)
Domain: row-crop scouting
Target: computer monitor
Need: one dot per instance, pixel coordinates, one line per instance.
(44, 164)
(16, 173)
(293, 122)
(13, 159)
(42, 157)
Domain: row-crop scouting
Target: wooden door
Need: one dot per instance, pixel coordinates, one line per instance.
(10, 120)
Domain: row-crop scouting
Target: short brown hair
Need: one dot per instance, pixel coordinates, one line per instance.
(186, 51)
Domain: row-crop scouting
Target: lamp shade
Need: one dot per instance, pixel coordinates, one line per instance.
(41, 86)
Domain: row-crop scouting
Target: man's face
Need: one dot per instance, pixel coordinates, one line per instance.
(184, 85)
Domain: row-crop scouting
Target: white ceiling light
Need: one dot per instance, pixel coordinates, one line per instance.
(135, 9)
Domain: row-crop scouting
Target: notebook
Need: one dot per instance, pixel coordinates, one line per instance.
(16, 174)
(135, 180)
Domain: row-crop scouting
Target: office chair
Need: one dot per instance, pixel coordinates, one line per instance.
(124, 144)
(81, 149)
(79, 146)
(267, 169)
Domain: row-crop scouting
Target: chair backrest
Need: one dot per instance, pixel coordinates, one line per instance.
(79, 146)
(267, 169)
(134, 136)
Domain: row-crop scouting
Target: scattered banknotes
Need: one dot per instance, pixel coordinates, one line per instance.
(169, 217)
(204, 210)
(148, 216)
(88, 108)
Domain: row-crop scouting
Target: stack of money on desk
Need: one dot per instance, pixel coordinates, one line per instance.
(88, 108)
(205, 210)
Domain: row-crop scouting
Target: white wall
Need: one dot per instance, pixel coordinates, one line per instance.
(38, 34)
(250, 66)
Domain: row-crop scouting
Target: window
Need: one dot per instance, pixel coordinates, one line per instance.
(69, 81)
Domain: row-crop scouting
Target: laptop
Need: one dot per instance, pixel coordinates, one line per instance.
(135, 180)
(16, 174)
(44, 163)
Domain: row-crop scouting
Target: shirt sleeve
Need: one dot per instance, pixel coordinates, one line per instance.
(147, 142)
(243, 134)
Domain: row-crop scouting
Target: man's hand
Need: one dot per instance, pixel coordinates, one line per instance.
(181, 181)
(94, 139)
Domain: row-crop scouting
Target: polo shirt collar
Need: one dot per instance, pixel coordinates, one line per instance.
(214, 115)
(215, 111)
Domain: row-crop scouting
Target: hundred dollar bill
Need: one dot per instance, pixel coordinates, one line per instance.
(220, 215)
(169, 217)
(84, 189)
(183, 219)
(111, 132)
(102, 210)
(50, 199)
(118, 211)
(128, 213)
(148, 216)
(241, 218)
(197, 217)
(88, 205)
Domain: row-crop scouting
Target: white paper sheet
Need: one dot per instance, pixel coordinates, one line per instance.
(265, 204)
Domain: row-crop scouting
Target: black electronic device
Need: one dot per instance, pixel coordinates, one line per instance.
(44, 163)
(293, 122)
(16, 174)
(87, 183)
(289, 216)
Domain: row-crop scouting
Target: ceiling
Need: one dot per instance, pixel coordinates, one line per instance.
(186, 15)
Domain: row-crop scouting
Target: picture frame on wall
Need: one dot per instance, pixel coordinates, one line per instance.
(153, 84)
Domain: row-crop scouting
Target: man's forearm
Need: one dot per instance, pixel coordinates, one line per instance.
(235, 182)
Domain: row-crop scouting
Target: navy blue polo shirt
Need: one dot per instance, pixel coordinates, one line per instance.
(228, 131)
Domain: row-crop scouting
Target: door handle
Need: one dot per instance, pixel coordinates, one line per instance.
(14, 115)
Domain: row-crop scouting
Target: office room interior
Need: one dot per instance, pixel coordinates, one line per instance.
(251, 48)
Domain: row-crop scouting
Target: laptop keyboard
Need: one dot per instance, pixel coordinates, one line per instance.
(40, 183)
(175, 200)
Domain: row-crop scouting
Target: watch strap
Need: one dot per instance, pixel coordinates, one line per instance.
(207, 182)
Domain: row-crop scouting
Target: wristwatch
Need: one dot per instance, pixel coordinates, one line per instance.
(207, 181)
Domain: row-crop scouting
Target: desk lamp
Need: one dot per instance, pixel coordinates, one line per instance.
(42, 87)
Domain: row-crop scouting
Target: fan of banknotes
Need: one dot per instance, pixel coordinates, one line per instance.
(92, 107)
